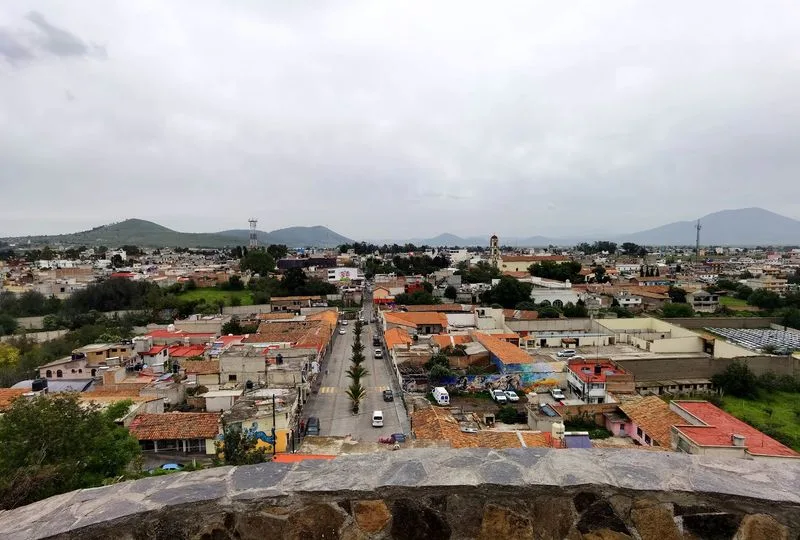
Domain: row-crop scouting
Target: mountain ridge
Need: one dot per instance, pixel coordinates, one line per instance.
(140, 232)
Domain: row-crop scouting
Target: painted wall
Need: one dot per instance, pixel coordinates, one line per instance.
(723, 349)
(691, 344)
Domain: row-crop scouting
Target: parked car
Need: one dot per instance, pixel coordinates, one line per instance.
(566, 353)
(312, 426)
(376, 341)
(511, 396)
(388, 395)
(342, 331)
(344, 323)
(172, 466)
(499, 396)
(557, 394)
(378, 353)
(399, 437)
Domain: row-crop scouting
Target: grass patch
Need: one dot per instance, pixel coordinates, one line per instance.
(211, 295)
(732, 301)
(777, 414)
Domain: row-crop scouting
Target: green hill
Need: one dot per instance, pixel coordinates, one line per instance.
(139, 232)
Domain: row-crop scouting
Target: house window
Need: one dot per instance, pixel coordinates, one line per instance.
(196, 446)
(59, 373)
(639, 431)
(48, 373)
(231, 378)
(647, 439)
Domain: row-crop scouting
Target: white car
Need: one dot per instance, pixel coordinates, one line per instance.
(344, 323)
(342, 331)
(566, 353)
(511, 396)
(499, 396)
(557, 394)
(378, 353)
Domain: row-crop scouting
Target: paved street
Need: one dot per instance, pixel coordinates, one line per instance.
(332, 405)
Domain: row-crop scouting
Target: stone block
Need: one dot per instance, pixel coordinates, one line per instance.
(654, 521)
(371, 516)
(314, 522)
(759, 526)
(606, 534)
(500, 522)
(414, 521)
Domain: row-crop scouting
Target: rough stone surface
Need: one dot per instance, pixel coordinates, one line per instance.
(438, 493)
(371, 516)
(655, 521)
(499, 522)
(756, 527)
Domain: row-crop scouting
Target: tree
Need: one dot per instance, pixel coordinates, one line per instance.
(575, 310)
(526, 305)
(258, 262)
(356, 373)
(240, 447)
(277, 251)
(116, 261)
(356, 392)
(671, 310)
(77, 446)
(508, 293)
(549, 312)
(7, 324)
(764, 299)
(569, 270)
(791, 318)
(737, 380)
(629, 248)
(233, 326)
(451, 293)
(677, 295)
(417, 298)
(294, 280)
(9, 355)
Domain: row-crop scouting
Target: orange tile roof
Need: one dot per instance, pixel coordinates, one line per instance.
(7, 395)
(186, 351)
(505, 351)
(654, 416)
(202, 367)
(157, 427)
(415, 319)
(451, 340)
(287, 315)
(520, 315)
(396, 336)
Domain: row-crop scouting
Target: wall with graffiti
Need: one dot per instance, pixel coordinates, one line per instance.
(264, 437)
(530, 378)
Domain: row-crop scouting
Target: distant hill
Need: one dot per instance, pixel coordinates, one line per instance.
(139, 232)
(317, 236)
(745, 226)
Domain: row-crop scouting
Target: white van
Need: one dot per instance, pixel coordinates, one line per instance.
(377, 418)
(441, 396)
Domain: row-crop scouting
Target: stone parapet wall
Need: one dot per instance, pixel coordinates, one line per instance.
(438, 494)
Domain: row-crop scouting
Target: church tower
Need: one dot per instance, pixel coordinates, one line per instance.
(494, 250)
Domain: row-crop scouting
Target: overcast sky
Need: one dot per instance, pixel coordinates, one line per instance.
(385, 119)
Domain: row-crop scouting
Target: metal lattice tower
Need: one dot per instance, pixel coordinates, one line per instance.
(253, 235)
(697, 243)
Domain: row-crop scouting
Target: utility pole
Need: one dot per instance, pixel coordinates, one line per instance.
(274, 435)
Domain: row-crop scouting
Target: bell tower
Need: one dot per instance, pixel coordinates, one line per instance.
(494, 250)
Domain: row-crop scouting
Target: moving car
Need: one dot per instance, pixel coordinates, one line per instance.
(511, 396)
(557, 394)
(376, 341)
(388, 395)
(342, 331)
(566, 353)
(312, 426)
(377, 418)
(378, 353)
(499, 396)
(344, 323)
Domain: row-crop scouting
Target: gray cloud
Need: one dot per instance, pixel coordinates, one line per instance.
(42, 37)
(381, 121)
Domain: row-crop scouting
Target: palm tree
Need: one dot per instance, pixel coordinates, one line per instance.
(357, 372)
(356, 393)
(357, 359)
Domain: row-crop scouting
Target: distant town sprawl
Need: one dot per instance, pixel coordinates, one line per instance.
(190, 358)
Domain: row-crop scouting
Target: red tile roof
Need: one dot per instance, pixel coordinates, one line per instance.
(158, 427)
(505, 351)
(719, 427)
(154, 350)
(186, 351)
(451, 340)
(520, 315)
(584, 370)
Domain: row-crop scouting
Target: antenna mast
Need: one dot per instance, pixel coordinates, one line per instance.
(253, 236)
(697, 243)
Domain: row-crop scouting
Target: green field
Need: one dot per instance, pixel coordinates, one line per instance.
(777, 414)
(211, 296)
(732, 302)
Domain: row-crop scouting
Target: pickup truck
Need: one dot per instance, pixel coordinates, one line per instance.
(499, 396)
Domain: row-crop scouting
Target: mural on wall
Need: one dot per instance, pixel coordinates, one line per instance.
(535, 376)
(261, 437)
